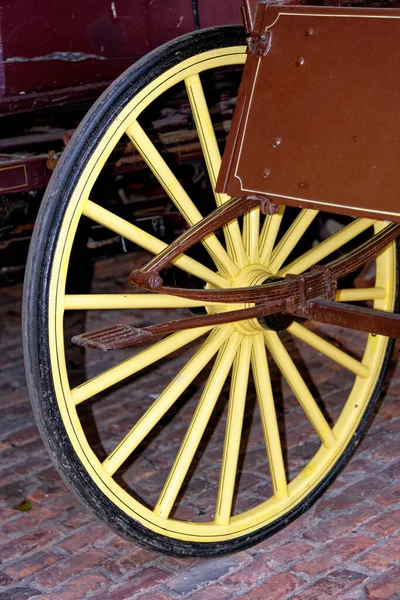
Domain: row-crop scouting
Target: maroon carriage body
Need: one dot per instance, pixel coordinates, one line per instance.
(55, 60)
(59, 52)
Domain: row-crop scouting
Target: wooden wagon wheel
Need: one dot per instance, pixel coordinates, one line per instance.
(245, 356)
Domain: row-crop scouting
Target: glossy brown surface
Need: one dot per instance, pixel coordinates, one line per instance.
(322, 111)
(354, 317)
(124, 336)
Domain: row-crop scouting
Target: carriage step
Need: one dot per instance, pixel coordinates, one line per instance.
(112, 338)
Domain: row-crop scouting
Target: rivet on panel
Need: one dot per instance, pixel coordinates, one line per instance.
(309, 31)
(303, 185)
(276, 142)
(300, 61)
(266, 172)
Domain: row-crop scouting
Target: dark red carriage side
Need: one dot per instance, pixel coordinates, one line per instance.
(55, 60)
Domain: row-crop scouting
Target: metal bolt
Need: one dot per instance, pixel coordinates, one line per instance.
(303, 185)
(266, 172)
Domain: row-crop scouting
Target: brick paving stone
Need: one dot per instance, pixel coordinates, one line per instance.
(52, 576)
(375, 561)
(390, 408)
(148, 578)
(124, 591)
(206, 571)
(390, 497)
(23, 436)
(143, 581)
(23, 568)
(29, 520)
(64, 595)
(351, 495)
(14, 493)
(20, 593)
(49, 474)
(382, 556)
(28, 543)
(153, 596)
(78, 587)
(5, 579)
(6, 513)
(213, 592)
(76, 518)
(388, 451)
(386, 587)
(130, 562)
(332, 586)
(275, 588)
(79, 540)
(384, 525)
(119, 544)
(394, 470)
(248, 576)
(334, 527)
(289, 532)
(391, 549)
(334, 553)
(178, 564)
(47, 493)
(288, 552)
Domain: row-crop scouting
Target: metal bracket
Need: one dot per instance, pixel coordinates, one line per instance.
(259, 44)
(330, 283)
(267, 206)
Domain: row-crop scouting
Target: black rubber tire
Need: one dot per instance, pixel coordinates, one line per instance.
(36, 297)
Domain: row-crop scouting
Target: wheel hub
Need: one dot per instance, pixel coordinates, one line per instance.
(277, 322)
(249, 276)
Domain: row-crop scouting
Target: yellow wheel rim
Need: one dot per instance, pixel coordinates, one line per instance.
(250, 252)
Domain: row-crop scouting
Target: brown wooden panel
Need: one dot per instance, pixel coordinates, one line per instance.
(318, 118)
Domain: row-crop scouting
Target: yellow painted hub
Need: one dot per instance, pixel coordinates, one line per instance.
(254, 274)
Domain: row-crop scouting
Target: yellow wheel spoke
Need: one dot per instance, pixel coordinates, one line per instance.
(269, 421)
(268, 235)
(178, 195)
(331, 244)
(233, 433)
(136, 363)
(149, 242)
(328, 349)
(166, 399)
(129, 301)
(299, 388)
(251, 234)
(291, 238)
(212, 156)
(197, 425)
(360, 294)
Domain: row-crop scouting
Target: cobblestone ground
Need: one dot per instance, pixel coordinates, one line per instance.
(344, 547)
